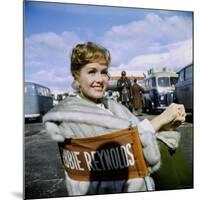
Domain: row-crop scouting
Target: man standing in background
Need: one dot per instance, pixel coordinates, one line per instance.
(137, 102)
(124, 88)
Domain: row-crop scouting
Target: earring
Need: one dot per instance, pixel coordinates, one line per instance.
(76, 85)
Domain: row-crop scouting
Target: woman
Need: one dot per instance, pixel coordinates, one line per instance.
(90, 114)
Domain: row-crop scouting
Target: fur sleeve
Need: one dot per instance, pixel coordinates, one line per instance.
(53, 131)
(150, 146)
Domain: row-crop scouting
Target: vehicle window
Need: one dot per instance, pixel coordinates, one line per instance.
(181, 76)
(44, 92)
(188, 73)
(152, 82)
(29, 89)
(163, 81)
(48, 93)
(40, 91)
(146, 84)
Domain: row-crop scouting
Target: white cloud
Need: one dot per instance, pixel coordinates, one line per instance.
(147, 36)
(49, 49)
(178, 55)
(151, 28)
(52, 40)
(47, 58)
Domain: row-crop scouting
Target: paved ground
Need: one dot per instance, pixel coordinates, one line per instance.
(43, 168)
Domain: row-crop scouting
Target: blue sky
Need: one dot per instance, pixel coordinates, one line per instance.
(137, 38)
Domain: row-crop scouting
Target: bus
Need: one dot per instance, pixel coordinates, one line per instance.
(159, 88)
(37, 100)
(184, 88)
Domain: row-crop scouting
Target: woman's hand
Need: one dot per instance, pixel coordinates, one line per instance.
(172, 117)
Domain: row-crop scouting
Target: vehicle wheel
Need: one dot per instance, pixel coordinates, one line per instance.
(175, 100)
(151, 110)
(144, 107)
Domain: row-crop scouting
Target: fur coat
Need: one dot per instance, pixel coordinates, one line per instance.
(78, 118)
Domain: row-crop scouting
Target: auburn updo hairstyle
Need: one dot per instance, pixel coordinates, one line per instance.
(90, 52)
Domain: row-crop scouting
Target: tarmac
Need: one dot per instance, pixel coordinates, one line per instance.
(44, 174)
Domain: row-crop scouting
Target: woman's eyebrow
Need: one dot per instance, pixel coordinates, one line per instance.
(91, 68)
(96, 68)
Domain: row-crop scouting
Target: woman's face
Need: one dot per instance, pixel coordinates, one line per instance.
(93, 80)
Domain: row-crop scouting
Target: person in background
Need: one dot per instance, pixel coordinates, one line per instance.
(124, 88)
(89, 114)
(137, 101)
